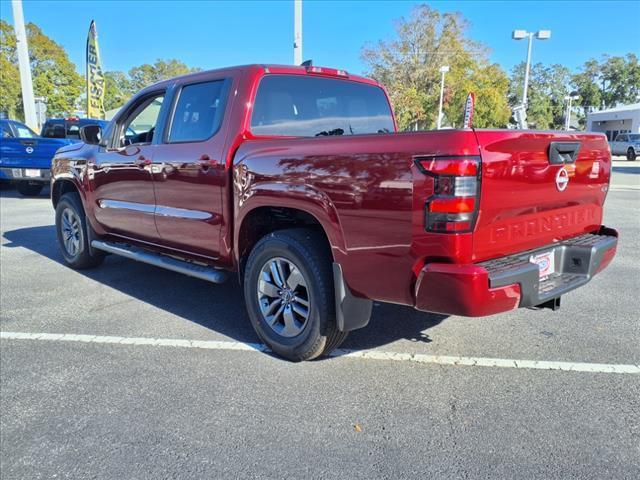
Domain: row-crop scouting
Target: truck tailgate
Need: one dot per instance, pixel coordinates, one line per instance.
(531, 196)
(29, 152)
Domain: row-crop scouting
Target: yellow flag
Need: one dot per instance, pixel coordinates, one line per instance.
(95, 78)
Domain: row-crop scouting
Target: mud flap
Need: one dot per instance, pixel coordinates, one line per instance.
(351, 312)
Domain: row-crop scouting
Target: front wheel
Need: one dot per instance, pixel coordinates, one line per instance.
(71, 229)
(288, 289)
(631, 154)
(29, 189)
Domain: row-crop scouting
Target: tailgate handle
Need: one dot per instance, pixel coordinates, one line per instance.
(563, 152)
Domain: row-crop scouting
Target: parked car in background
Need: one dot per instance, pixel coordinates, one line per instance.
(627, 144)
(25, 157)
(68, 127)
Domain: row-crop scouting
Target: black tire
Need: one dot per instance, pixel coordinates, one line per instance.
(80, 256)
(631, 154)
(306, 251)
(29, 189)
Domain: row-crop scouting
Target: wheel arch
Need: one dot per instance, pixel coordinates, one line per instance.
(284, 206)
(262, 220)
(64, 185)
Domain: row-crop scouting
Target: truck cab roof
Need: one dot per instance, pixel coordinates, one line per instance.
(262, 69)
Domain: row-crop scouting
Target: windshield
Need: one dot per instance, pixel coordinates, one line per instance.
(307, 106)
(634, 137)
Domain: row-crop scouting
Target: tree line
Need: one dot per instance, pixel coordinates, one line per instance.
(55, 77)
(408, 65)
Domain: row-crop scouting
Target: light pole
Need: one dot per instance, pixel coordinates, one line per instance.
(567, 117)
(444, 69)
(519, 35)
(297, 32)
(24, 66)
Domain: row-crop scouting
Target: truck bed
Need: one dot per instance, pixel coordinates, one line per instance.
(373, 189)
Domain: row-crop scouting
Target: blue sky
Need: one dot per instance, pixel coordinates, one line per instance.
(211, 34)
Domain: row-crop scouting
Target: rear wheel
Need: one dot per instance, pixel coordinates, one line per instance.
(631, 154)
(71, 229)
(288, 288)
(29, 189)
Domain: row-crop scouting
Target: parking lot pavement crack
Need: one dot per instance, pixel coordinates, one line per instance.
(453, 422)
(110, 305)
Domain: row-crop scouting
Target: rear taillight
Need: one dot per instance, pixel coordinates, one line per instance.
(454, 204)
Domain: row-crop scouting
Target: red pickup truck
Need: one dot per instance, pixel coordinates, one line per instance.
(296, 179)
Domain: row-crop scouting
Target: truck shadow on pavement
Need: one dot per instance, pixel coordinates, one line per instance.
(7, 190)
(216, 307)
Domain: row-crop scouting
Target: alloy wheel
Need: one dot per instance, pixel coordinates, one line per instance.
(70, 232)
(283, 297)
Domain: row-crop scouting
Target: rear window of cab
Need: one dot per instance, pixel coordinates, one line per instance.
(310, 106)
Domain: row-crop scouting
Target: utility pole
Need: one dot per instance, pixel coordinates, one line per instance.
(569, 99)
(297, 32)
(24, 66)
(444, 69)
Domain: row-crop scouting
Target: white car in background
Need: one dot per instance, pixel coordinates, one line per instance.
(627, 144)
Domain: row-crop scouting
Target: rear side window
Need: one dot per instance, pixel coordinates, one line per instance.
(198, 112)
(307, 106)
(53, 130)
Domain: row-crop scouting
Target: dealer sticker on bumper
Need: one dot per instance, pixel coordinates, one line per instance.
(545, 262)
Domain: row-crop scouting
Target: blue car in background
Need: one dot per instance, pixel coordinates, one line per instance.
(25, 157)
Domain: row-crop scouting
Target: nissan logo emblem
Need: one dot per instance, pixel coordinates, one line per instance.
(562, 179)
(29, 149)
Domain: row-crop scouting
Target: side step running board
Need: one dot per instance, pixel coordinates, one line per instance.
(163, 261)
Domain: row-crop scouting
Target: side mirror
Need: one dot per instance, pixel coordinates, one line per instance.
(91, 134)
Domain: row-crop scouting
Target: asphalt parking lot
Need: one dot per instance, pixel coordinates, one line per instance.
(150, 374)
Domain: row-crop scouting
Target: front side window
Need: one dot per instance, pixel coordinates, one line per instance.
(24, 131)
(308, 106)
(621, 138)
(140, 125)
(198, 112)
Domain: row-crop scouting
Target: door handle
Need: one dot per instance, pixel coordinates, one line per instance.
(205, 161)
(143, 161)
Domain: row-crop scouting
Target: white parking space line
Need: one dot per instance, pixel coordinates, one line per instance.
(364, 354)
(622, 188)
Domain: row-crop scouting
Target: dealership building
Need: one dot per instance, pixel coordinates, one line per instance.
(622, 119)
